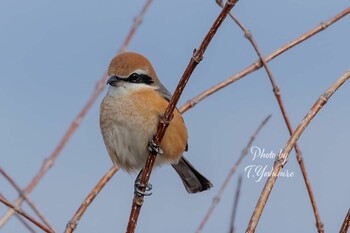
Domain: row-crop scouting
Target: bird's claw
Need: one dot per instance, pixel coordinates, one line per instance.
(154, 148)
(144, 189)
(138, 188)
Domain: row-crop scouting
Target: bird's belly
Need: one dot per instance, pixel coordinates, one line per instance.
(127, 146)
(126, 131)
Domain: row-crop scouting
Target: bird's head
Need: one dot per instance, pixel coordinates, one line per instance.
(130, 70)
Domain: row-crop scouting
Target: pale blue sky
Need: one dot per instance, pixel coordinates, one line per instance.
(52, 53)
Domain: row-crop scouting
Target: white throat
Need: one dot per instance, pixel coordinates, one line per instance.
(125, 88)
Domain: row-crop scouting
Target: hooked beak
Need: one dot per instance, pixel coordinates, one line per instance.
(113, 80)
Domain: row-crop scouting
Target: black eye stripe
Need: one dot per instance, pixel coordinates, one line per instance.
(139, 78)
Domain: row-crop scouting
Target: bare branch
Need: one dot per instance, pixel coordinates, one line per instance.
(24, 214)
(72, 224)
(235, 205)
(346, 223)
(257, 65)
(25, 197)
(233, 170)
(25, 224)
(283, 156)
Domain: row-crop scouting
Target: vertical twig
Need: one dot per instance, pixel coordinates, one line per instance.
(232, 171)
(283, 156)
(24, 214)
(48, 163)
(235, 205)
(257, 65)
(345, 226)
(72, 224)
(25, 197)
(164, 122)
(277, 93)
(137, 22)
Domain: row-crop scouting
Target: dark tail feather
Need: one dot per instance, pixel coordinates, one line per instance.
(194, 181)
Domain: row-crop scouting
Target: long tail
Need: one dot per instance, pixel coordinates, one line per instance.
(193, 181)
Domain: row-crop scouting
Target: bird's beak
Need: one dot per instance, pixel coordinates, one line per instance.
(113, 80)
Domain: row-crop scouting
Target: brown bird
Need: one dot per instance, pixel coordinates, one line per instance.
(129, 116)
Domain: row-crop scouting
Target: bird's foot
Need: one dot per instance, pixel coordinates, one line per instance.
(141, 189)
(154, 148)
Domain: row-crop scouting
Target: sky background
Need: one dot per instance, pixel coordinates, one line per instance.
(52, 53)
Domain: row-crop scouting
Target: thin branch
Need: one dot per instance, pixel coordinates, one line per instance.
(137, 22)
(232, 171)
(235, 205)
(164, 122)
(346, 223)
(257, 65)
(48, 163)
(24, 214)
(283, 156)
(277, 93)
(72, 224)
(25, 224)
(25, 197)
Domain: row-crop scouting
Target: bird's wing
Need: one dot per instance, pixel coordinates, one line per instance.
(164, 92)
(167, 95)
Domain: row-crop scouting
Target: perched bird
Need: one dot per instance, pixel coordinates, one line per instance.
(129, 116)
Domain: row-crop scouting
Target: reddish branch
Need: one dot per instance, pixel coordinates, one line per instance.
(48, 163)
(257, 65)
(71, 226)
(24, 214)
(346, 223)
(277, 93)
(235, 205)
(164, 122)
(233, 170)
(23, 221)
(25, 197)
(283, 156)
(25, 224)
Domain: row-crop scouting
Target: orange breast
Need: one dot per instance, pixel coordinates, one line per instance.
(150, 103)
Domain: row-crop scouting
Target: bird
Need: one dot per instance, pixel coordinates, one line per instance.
(129, 117)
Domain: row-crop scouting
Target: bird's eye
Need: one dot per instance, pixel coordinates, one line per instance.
(134, 78)
(139, 78)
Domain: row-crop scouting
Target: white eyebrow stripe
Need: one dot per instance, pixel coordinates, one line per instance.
(140, 71)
